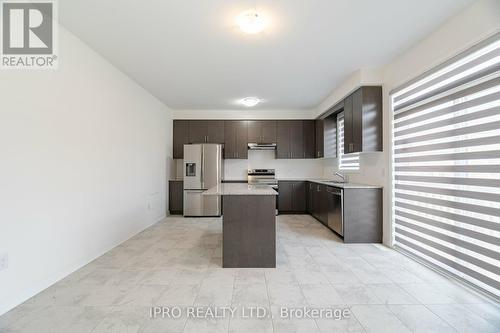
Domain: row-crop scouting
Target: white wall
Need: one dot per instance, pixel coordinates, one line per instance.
(475, 23)
(85, 154)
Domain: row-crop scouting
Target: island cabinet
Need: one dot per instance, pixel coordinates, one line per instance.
(235, 139)
(206, 131)
(295, 139)
(175, 196)
(181, 137)
(292, 197)
(363, 120)
(320, 137)
(261, 131)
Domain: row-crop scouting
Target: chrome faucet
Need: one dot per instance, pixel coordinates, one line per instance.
(343, 176)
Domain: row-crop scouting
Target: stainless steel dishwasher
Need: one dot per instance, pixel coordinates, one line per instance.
(336, 209)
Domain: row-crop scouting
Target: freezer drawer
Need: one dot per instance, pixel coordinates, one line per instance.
(197, 204)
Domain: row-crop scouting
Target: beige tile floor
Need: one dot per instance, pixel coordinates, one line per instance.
(178, 262)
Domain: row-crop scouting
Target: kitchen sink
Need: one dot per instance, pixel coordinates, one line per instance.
(336, 182)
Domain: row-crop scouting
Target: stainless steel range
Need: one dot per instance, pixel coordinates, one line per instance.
(262, 177)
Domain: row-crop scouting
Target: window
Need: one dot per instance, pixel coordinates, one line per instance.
(346, 161)
(446, 166)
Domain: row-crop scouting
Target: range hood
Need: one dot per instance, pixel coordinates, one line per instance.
(262, 146)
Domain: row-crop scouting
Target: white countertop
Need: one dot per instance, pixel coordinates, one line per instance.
(328, 182)
(240, 189)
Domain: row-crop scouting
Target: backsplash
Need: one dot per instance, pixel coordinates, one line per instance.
(265, 159)
(372, 168)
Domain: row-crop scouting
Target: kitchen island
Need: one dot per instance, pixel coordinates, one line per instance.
(248, 225)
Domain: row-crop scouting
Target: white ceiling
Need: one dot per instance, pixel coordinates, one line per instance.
(190, 55)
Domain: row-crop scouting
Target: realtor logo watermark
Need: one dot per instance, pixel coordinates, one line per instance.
(28, 34)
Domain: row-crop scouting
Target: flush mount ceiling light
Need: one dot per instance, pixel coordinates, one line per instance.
(250, 101)
(251, 22)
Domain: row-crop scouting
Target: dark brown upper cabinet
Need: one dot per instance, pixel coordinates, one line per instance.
(206, 131)
(215, 131)
(363, 120)
(290, 139)
(309, 138)
(319, 138)
(181, 137)
(261, 131)
(282, 139)
(235, 139)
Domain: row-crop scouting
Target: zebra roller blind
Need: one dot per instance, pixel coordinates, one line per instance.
(446, 166)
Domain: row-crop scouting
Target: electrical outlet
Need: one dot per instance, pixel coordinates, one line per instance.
(4, 261)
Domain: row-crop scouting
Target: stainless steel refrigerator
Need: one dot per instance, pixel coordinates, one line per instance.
(203, 169)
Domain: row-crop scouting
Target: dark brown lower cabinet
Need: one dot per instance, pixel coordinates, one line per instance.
(362, 211)
(363, 215)
(175, 197)
(320, 203)
(292, 197)
(310, 201)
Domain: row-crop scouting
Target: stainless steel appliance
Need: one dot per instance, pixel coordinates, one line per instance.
(336, 209)
(262, 146)
(262, 177)
(203, 169)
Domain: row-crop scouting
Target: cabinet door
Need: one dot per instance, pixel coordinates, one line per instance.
(296, 139)
(230, 149)
(283, 139)
(319, 138)
(324, 205)
(316, 201)
(254, 131)
(241, 139)
(285, 196)
(299, 197)
(268, 131)
(310, 193)
(215, 131)
(357, 121)
(181, 137)
(309, 138)
(198, 131)
(348, 125)
(175, 196)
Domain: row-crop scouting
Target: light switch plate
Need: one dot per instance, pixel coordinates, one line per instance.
(4, 261)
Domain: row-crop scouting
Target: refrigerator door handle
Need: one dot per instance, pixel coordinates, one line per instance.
(202, 167)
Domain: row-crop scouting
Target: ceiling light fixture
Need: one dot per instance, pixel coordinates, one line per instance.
(250, 101)
(251, 22)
